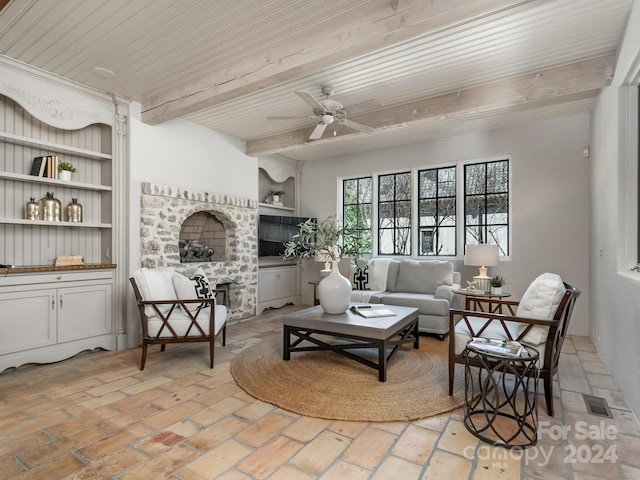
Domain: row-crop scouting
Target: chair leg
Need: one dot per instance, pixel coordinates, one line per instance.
(212, 341)
(144, 355)
(452, 366)
(162, 347)
(548, 394)
(224, 335)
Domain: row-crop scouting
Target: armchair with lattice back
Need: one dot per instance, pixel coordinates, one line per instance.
(178, 309)
(540, 319)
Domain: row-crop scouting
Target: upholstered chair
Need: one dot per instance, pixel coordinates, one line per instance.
(178, 309)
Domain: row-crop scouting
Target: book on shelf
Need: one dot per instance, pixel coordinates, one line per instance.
(38, 166)
(495, 345)
(64, 260)
(372, 311)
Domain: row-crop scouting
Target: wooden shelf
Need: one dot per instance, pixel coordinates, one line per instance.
(43, 223)
(53, 268)
(52, 147)
(19, 177)
(277, 207)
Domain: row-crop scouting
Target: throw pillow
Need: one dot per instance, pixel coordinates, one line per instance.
(195, 287)
(361, 278)
(423, 276)
(541, 301)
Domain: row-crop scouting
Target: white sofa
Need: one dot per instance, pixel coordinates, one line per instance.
(428, 285)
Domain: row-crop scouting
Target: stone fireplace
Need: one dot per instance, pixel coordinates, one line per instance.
(230, 225)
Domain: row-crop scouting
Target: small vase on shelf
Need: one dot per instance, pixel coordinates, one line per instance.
(334, 291)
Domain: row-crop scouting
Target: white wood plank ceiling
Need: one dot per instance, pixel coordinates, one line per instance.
(437, 67)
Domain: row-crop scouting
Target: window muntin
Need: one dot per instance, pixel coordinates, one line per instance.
(480, 189)
(486, 204)
(437, 211)
(357, 210)
(394, 214)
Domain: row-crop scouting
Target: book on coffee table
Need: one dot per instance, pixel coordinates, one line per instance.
(372, 311)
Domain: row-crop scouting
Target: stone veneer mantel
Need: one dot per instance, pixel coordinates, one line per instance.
(163, 210)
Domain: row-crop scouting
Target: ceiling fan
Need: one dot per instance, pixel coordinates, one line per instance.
(329, 111)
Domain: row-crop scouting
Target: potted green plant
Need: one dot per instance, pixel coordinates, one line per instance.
(497, 281)
(65, 169)
(326, 240)
(275, 196)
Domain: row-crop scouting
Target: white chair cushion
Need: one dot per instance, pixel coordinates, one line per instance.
(155, 284)
(180, 323)
(494, 330)
(196, 287)
(541, 301)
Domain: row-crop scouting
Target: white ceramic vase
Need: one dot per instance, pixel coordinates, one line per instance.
(64, 175)
(334, 291)
(496, 290)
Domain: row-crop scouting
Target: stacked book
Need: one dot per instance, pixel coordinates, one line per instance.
(46, 166)
(372, 311)
(493, 345)
(65, 260)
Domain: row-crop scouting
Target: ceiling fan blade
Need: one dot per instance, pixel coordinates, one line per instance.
(363, 107)
(311, 100)
(361, 127)
(318, 131)
(292, 118)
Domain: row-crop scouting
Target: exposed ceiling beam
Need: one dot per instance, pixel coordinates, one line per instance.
(378, 24)
(552, 85)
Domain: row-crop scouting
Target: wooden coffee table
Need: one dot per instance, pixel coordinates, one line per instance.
(355, 333)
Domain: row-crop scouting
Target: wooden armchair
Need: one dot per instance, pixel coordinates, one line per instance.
(530, 321)
(172, 312)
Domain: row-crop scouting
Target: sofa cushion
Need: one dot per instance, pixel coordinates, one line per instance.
(392, 275)
(426, 303)
(541, 301)
(155, 284)
(423, 276)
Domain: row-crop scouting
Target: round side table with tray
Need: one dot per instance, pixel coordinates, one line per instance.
(501, 406)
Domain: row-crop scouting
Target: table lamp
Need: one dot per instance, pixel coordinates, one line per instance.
(482, 256)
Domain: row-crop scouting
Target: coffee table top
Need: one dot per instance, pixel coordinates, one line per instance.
(350, 323)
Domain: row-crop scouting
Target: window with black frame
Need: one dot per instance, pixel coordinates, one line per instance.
(486, 204)
(357, 211)
(437, 211)
(394, 214)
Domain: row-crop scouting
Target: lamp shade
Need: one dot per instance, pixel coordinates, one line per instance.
(482, 255)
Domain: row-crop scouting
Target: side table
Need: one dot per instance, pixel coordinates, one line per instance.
(501, 406)
(475, 299)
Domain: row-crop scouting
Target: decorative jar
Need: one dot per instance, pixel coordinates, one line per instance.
(74, 211)
(32, 210)
(50, 208)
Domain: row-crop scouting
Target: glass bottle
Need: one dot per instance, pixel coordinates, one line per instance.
(32, 210)
(74, 211)
(50, 208)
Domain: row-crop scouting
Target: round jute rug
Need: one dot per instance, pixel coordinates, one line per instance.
(330, 386)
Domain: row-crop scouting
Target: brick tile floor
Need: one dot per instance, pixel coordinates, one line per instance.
(96, 416)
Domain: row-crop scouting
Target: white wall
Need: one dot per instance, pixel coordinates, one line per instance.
(183, 154)
(550, 196)
(615, 302)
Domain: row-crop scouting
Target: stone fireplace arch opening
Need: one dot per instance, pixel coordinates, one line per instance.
(203, 238)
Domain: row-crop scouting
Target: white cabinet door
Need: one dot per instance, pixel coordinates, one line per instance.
(84, 312)
(268, 284)
(287, 281)
(27, 320)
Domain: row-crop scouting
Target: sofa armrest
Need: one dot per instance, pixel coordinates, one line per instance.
(447, 291)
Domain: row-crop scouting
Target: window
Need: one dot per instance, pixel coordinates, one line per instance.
(486, 204)
(430, 211)
(357, 210)
(394, 214)
(437, 211)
